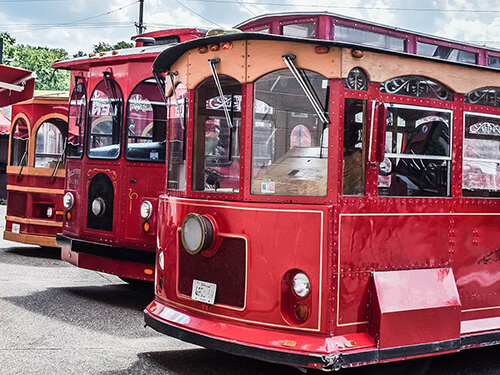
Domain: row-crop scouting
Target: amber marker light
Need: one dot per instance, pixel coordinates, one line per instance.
(102, 53)
(146, 226)
(301, 311)
(357, 53)
(203, 49)
(148, 271)
(321, 50)
(59, 213)
(289, 343)
(227, 45)
(214, 47)
(91, 54)
(68, 216)
(114, 52)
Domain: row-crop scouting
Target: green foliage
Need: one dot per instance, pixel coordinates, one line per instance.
(103, 47)
(38, 60)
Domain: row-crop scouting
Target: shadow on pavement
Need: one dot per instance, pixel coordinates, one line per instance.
(113, 309)
(32, 256)
(200, 362)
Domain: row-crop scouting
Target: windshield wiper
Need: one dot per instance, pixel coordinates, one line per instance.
(21, 163)
(212, 63)
(59, 162)
(288, 59)
(114, 108)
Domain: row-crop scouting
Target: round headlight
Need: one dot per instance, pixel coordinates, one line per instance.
(197, 233)
(301, 284)
(161, 260)
(146, 210)
(68, 200)
(98, 206)
(50, 212)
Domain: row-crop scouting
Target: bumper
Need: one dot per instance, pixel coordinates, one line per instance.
(254, 342)
(119, 261)
(32, 239)
(106, 251)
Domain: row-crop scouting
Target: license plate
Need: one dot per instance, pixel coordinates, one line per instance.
(204, 291)
(16, 228)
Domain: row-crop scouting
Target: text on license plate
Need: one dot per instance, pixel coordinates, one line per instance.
(204, 291)
(16, 228)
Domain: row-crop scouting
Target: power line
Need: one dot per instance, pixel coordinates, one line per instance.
(244, 7)
(80, 20)
(199, 15)
(350, 7)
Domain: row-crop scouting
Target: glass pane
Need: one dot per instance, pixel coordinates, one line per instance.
(446, 53)
(481, 167)
(353, 182)
(369, 38)
(494, 61)
(177, 108)
(287, 134)
(217, 168)
(105, 117)
(77, 121)
(417, 152)
(49, 144)
(19, 144)
(146, 123)
(301, 30)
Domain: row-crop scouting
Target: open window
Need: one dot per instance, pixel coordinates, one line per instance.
(216, 160)
(50, 143)
(481, 162)
(417, 152)
(105, 119)
(288, 156)
(19, 143)
(177, 109)
(146, 123)
(77, 121)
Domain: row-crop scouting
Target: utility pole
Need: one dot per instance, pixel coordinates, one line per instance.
(140, 25)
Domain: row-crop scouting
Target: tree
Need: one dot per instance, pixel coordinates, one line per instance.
(103, 46)
(38, 60)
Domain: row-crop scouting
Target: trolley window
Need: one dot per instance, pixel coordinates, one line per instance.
(146, 123)
(19, 143)
(105, 118)
(216, 162)
(177, 107)
(50, 141)
(481, 164)
(77, 121)
(446, 53)
(301, 30)
(417, 152)
(288, 156)
(353, 180)
(369, 38)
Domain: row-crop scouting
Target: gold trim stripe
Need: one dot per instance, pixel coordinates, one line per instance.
(22, 220)
(30, 189)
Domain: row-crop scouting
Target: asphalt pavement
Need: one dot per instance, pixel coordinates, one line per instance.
(59, 319)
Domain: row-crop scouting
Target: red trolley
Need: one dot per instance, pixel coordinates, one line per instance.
(116, 158)
(36, 171)
(363, 225)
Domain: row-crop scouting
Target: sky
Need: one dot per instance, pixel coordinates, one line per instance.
(77, 25)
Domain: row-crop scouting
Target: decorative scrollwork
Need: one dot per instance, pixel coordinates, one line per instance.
(417, 86)
(356, 80)
(489, 96)
(485, 128)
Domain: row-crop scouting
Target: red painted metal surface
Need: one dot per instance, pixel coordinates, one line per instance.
(16, 85)
(132, 181)
(413, 307)
(443, 244)
(34, 193)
